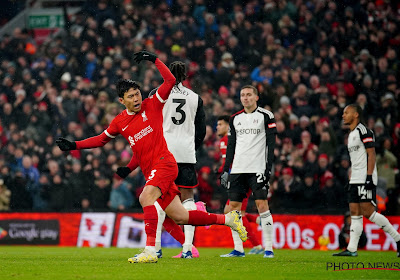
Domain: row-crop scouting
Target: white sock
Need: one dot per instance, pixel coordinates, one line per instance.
(161, 218)
(237, 241)
(356, 228)
(267, 228)
(384, 223)
(189, 205)
(151, 249)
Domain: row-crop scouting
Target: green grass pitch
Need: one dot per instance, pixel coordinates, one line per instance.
(27, 262)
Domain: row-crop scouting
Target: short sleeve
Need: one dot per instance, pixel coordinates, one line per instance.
(367, 137)
(112, 130)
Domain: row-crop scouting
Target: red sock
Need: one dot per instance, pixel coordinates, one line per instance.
(253, 238)
(150, 221)
(200, 218)
(251, 217)
(175, 230)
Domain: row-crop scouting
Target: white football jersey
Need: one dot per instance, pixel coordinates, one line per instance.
(251, 149)
(179, 113)
(359, 140)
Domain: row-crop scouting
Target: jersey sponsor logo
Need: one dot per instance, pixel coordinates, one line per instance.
(255, 121)
(368, 139)
(239, 123)
(248, 131)
(353, 149)
(271, 125)
(144, 116)
(145, 131)
(125, 127)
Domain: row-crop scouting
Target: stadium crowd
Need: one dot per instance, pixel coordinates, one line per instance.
(308, 59)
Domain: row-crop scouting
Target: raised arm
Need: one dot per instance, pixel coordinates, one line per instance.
(169, 80)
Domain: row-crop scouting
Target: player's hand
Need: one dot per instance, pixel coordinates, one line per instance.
(123, 172)
(144, 55)
(65, 145)
(224, 179)
(369, 184)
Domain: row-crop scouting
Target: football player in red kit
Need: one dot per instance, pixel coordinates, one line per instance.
(141, 125)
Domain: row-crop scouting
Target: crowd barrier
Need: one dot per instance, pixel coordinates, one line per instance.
(127, 230)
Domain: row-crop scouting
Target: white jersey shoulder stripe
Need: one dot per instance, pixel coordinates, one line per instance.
(269, 113)
(108, 134)
(362, 128)
(159, 98)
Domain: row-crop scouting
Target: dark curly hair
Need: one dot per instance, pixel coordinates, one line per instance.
(178, 69)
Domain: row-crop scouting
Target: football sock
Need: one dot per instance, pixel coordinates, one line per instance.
(150, 222)
(188, 204)
(175, 230)
(200, 218)
(251, 234)
(237, 241)
(267, 228)
(161, 218)
(356, 228)
(384, 223)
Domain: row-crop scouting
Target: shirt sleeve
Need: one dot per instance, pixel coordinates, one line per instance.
(367, 137)
(230, 150)
(270, 131)
(199, 124)
(133, 163)
(93, 142)
(163, 92)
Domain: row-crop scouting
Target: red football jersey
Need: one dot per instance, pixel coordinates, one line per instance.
(144, 132)
(223, 144)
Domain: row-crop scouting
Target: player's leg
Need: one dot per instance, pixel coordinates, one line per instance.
(157, 184)
(236, 194)
(160, 223)
(187, 181)
(251, 233)
(260, 189)
(181, 216)
(368, 211)
(356, 226)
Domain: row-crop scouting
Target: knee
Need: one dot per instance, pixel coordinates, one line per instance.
(143, 198)
(179, 220)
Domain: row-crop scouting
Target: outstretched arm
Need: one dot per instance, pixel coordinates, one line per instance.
(93, 142)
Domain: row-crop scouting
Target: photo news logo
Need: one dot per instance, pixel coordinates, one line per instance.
(341, 266)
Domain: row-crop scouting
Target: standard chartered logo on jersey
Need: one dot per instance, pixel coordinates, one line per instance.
(140, 135)
(248, 131)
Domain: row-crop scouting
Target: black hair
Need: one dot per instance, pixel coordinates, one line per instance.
(224, 118)
(359, 110)
(178, 69)
(123, 85)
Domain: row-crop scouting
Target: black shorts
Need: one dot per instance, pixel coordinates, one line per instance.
(357, 193)
(187, 177)
(239, 185)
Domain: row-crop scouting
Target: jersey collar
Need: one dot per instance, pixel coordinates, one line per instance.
(251, 111)
(130, 113)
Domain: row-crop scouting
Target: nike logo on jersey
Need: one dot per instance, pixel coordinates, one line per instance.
(145, 55)
(125, 127)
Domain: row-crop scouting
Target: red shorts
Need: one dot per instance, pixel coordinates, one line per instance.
(244, 202)
(163, 176)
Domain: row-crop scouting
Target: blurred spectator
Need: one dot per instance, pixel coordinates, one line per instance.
(308, 62)
(120, 196)
(5, 195)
